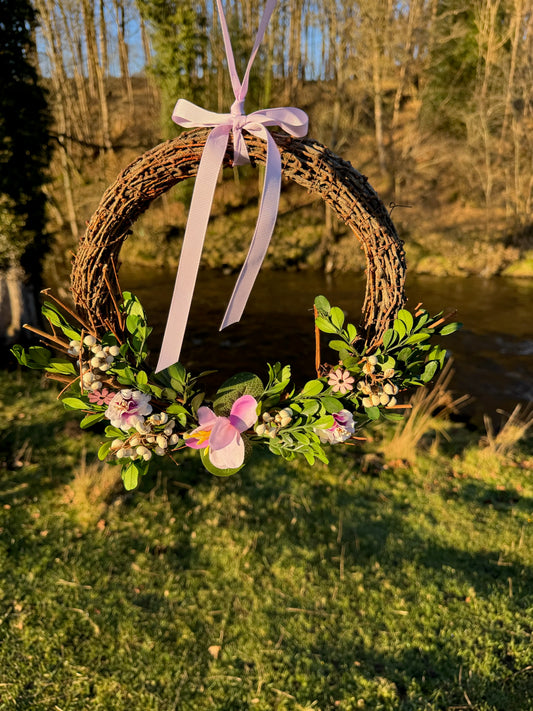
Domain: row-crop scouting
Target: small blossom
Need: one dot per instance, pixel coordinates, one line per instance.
(102, 397)
(342, 429)
(340, 381)
(127, 408)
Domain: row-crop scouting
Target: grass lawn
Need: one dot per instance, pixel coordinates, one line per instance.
(283, 587)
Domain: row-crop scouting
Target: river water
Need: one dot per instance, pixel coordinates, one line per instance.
(493, 353)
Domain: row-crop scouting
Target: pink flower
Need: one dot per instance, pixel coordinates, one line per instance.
(223, 434)
(340, 381)
(127, 408)
(101, 397)
(342, 430)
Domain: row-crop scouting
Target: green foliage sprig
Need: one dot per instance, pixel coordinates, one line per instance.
(149, 414)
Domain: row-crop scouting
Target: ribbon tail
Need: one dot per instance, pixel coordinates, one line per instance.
(268, 211)
(193, 242)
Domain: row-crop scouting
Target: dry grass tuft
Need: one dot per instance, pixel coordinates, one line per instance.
(512, 431)
(429, 413)
(90, 490)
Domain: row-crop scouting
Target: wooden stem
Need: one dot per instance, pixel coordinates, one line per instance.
(317, 345)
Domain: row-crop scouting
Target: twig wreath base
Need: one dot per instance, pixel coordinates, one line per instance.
(102, 352)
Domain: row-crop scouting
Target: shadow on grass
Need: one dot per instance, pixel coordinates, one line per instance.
(326, 589)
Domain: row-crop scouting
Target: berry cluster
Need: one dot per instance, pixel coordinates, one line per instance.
(273, 423)
(95, 361)
(154, 436)
(377, 388)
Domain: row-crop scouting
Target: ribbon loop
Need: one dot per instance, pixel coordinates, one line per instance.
(186, 114)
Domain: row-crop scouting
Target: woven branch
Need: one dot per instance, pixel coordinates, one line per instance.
(306, 162)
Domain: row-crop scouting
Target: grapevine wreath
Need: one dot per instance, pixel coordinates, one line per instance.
(101, 345)
(101, 352)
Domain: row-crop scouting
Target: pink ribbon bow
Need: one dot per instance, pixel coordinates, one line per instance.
(293, 121)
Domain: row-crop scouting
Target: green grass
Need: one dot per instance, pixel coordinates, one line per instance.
(283, 587)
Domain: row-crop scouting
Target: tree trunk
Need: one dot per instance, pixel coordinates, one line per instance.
(90, 45)
(120, 16)
(17, 305)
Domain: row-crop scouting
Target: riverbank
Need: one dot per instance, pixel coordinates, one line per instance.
(363, 585)
(451, 242)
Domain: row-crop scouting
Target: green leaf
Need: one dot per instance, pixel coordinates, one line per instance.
(130, 476)
(132, 305)
(429, 371)
(337, 317)
(352, 332)
(89, 420)
(407, 318)
(141, 378)
(39, 355)
(418, 337)
(196, 402)
(176, 409)
(63, 367)
(324, 325)
(74, 403)
(309, 456)
(322, 304)
(388, 338)
(324, 423)
(388, 362)
(178, 372)
(399, 327)
(332, 404)
(351, 363)
(372, 413)
(104, 450)
(392, 416)
(309, 407)
(114, 432)
(320, 454)
(20, 354)
(233, 388)
(450, 328)
(312, 388)
(57, 319)
(404, 354)
(338, 345)
(204, 456)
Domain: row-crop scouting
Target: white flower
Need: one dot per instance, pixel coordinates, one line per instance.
(342, 430)
(128, 408)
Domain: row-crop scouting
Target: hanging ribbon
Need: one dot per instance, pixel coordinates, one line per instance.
(293, 121)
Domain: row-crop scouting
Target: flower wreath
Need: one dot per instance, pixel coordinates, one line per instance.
(101, 345)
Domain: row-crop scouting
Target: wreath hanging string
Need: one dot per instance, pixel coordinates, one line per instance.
(102, 345)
